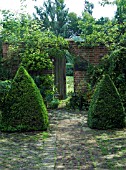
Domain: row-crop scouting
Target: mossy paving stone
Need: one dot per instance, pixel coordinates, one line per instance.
(75, 148)
(78, 146)
(71, 146)
(26, 151)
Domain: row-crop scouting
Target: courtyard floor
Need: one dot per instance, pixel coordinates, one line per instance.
(69, 145)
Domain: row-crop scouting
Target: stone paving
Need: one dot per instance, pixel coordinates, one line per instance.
(70, 146)
(76, 148)
(27, 151)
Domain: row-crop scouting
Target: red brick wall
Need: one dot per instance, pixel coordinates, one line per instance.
(5, 48)
(90, 54)
(79, 84)
(14, 62)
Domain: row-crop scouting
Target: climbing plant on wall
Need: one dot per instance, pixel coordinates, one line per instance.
(112, 34)
(30, 47)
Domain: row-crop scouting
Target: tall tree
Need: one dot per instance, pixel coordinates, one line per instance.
(54, 16)
(73, 26)
(88, 7)
(102, 20)
(119, 19)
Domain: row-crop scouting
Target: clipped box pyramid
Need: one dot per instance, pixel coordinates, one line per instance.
(24, 108)
(106, 110)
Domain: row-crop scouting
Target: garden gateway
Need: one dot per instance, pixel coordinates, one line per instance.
(84, 55)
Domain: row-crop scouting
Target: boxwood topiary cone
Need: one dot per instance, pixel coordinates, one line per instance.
(106, 110)
(24, 107)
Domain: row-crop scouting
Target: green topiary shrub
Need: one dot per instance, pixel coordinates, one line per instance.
(24, 108)
(106, 110)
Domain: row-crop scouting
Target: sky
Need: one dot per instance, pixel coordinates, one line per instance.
(76, 6)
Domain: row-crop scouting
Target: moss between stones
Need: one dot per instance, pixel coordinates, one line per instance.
(106, 110)
(24, 108)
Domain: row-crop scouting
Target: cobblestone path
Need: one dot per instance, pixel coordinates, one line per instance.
(70, 146)
(76, 149)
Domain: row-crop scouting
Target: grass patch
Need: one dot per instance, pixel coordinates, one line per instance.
(69, 90)
(39, 136)
(45, 135)
(69, 84)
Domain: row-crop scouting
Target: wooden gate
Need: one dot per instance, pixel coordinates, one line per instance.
(60, 76)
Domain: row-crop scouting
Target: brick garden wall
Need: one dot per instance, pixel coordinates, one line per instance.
(85, 54)
(11, 64)
(14, 62)
(5, 48)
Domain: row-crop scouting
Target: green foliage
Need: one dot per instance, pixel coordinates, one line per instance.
(37, 62)
(94, 33)
(104, 31)
(0, 56)
(86, 26)
(114, 65)
(31, 48)
(29, 37)
(56, 17)
(106, 110)
(24, 109)
(53, 14)
(9, 66)
(0, 49)
(69, 69)
(112, 34)
(69, 64)
(54, 104)
(95, 72)
(80, 64)
(45, 83)
(4, 88)
(88, 7)
(69, 85)
(69, 58)
(72, 25)
(118, 72)
(45, 135)
(78, 101)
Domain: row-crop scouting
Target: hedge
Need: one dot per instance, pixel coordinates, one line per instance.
(24, 109)
(106, 110)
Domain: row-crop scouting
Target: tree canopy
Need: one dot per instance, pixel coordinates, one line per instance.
(54, 16)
